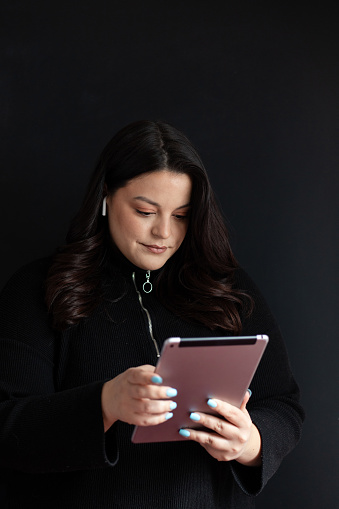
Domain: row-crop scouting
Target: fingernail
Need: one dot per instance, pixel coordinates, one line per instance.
(195, 417)
(173, 405)
(171, 393)
(168, 415)
(156, 379)
(212, 403)
(184, 433)
(249, 390)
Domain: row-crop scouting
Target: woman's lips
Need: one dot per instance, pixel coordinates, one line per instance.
(156, 249)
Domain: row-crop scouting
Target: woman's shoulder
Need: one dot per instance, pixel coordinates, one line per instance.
(261, 319)
(244, 282)
(23, 311)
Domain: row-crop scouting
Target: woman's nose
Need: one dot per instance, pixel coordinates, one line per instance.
(162, 229)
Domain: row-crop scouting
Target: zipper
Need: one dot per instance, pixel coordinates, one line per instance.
(150, 326)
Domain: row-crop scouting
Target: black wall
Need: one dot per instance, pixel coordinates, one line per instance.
(255, 86)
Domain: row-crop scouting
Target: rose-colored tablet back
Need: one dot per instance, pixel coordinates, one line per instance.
(202, 368)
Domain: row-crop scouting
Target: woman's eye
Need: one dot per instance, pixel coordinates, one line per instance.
(180, 217)
(142, 213)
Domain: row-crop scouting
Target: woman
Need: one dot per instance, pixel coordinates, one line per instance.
(147, 257)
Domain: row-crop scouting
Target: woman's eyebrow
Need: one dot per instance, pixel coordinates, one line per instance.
(183, 206)
(147, 200)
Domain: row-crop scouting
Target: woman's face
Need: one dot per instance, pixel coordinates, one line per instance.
(148, 217)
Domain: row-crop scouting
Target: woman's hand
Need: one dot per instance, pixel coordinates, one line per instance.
(136, 397)
(232, 438)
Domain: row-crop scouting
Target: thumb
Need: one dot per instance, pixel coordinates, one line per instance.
(245, 400)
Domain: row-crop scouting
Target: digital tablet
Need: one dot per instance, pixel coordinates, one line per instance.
(202, 368)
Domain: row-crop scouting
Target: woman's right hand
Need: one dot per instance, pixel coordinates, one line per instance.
(136, 397)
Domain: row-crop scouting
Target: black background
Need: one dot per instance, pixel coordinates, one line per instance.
(255, 86)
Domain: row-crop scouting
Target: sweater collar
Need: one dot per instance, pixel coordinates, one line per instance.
(118, 261)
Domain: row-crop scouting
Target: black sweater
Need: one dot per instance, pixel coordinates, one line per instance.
(52, 444)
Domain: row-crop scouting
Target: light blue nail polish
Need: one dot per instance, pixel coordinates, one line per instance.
(212, 403)
(249, 390)
(168, 415)
(171, 393)
(184, 433)
(173, 405)
(156, 379)
(195, 417)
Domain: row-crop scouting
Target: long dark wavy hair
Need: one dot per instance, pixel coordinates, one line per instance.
(196, 283)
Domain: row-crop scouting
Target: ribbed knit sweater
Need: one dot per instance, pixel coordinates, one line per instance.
(52, 443)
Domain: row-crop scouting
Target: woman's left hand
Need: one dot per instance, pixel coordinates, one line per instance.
(233, 437)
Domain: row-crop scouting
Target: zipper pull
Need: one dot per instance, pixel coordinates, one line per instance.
(145, 287)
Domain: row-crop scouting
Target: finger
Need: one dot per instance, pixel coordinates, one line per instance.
(231, 413)
(151, 392)
(150, 419)
(204, 438)
(220, 426)
(246, 399)
(149, 406)
(144, 375)
(218, 447)
(141, 375)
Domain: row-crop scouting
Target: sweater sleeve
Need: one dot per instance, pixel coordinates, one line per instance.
(42, 430)
(274, 405)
